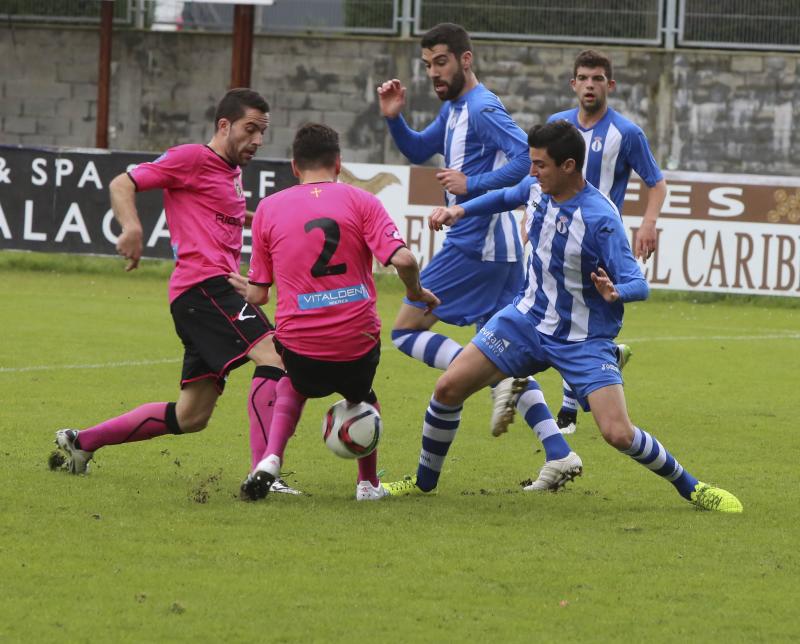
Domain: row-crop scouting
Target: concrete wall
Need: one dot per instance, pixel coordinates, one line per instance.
(702, 110)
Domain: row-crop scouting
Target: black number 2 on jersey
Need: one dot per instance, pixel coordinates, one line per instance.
(332, 236)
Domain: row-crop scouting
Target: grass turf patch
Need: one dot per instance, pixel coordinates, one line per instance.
(153, 544)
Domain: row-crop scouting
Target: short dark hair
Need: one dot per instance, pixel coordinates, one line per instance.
(315, 146)
(236, 101)
(592, 58)
(447, 33)
(562, 141)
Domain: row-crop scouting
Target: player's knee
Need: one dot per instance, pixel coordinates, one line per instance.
(618, 433)
(448, 391)
(193, 422)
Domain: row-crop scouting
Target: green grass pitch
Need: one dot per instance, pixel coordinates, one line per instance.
(154, 546)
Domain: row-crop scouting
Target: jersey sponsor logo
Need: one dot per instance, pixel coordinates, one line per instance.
(333, 297)
(597, 144)
(393, 234)
(495, 344)
(228, 220)
(561, 224)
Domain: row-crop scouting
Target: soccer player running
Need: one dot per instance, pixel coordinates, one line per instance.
(614, 147)
(580, 272)
(316, 241)
(479, 268)
(205, 211)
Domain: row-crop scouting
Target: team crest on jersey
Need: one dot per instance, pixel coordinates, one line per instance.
(237, 186)
(597, 144)
(561, 224)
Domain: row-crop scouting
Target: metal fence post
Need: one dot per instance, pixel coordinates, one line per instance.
(670, 24)
(406, 19)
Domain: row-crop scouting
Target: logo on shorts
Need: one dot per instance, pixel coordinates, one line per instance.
(597, 144)
(608, 366)
(496, 344)
(242, 317)
(561, 224)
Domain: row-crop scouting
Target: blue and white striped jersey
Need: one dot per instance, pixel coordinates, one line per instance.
(614, 146)
(478, 137)
(569, 241)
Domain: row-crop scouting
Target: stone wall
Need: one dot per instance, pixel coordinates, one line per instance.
(703, 110)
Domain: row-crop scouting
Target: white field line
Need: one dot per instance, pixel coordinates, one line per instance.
(100, 365)
(669, 338)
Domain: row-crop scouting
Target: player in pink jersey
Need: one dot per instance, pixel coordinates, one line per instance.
(316, 240)
(205, 210)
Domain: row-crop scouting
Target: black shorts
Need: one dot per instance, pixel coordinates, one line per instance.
(217, 328)
(319, 378)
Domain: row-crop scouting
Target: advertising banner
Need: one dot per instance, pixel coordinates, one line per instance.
(720, 233)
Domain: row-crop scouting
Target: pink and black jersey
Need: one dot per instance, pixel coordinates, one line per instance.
(316, 241)
(205, 208)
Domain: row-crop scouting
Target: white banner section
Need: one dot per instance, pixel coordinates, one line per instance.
(717, 233)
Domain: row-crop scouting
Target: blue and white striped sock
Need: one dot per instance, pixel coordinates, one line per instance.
(438, 431)
(533, 408)
(569, 402)
(434, 349)
(646, 450)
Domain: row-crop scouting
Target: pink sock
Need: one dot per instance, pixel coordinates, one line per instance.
(140, 424)
(260, 407)
(368, 466)
(288, 406)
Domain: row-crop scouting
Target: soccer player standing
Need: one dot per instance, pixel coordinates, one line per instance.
(205, 210)
(479, 268)
(316, 241)
(614, 146)
(580, 271)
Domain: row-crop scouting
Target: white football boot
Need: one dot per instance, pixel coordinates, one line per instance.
(365, 491)
(556, 474)
(504, 406)
(77, 459)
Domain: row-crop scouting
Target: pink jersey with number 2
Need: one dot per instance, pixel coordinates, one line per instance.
(205, 206)
(316, 242)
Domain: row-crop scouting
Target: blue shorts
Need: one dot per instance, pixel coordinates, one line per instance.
(512, 343)
(471, 291)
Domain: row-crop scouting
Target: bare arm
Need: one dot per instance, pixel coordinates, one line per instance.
(646, 237)
(408, 271)
(256, 295)
(123, 203)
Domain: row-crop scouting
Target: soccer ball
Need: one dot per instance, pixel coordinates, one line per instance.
(352, 431)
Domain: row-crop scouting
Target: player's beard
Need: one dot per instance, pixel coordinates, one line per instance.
(455, 86)
(240, 156)
(595, 106)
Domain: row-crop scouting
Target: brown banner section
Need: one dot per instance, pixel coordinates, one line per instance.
(424, 189)
(687, 199)
(772, 204)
